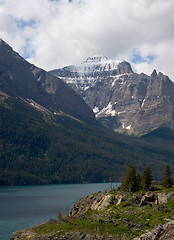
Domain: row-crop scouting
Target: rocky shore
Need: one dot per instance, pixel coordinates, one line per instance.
(111, 215)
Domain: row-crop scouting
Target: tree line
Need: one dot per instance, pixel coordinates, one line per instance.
(134, 181)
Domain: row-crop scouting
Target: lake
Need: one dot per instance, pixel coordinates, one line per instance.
(24, 206)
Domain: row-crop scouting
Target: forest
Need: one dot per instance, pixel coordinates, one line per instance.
(42, 148)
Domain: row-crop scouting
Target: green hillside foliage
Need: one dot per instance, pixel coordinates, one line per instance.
(38, 147)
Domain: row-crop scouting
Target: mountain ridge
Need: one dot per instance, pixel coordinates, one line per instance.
(122, 100)
(18, 78)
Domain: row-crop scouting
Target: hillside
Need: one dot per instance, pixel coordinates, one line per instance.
(39, 147)
(113, 215)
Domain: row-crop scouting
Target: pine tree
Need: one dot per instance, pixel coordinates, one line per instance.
(167, 182)
(138, 181)
(146, 178)
(129, 182)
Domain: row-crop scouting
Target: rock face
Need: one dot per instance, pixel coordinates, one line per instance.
(20, 79)
(164, 198)
(93, 201)
(164, 232)
(121, 99)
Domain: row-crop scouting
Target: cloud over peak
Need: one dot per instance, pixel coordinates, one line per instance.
(55, 33)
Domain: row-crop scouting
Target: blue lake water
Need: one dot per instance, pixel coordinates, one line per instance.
(24, 206)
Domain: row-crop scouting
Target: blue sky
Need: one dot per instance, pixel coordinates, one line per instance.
(21, 24)
(137, 58)
(56, 33)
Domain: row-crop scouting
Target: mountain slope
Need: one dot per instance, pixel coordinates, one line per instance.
(18, 78)
(41, 147)
(122, 100)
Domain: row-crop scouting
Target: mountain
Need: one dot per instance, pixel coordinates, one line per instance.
(49, 134)
(122, 100)
(20, 79)
(91, 72)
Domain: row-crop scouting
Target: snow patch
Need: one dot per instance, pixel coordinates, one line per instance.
(143, 103)
(121, 112)
(108, 110)
(113, 83)
(86, 88)
(96, 58)
(117, 78)
(128, 127)
(96, 63)
(96, 109)
(113, 113)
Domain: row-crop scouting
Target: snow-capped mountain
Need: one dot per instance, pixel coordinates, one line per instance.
(91, 71)
(121, 99)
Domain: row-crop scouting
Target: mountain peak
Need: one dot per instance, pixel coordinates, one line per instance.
(5, 48)
(1, 41)
(154, 73)
(100, 60)
(96, 59)
(4, 44)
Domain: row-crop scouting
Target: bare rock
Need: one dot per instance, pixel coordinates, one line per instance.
(120, 199)
(94, 201)
(67, 236)
(164, 232)
(102, 203)
(163, 198)
(148, 198)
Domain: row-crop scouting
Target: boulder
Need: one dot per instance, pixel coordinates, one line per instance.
(162, 232)
(163, 198)
(148, 198)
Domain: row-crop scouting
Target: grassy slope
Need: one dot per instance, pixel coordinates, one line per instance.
(37, 148)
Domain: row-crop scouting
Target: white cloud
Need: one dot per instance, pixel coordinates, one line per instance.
(66, 33)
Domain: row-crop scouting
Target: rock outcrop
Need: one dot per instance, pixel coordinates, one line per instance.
(163, 232)
(163, 198)
(94, 201)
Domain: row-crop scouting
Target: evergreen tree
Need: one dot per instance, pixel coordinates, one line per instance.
(129, 182)
(146, 178)
(138, 181)
(167, 182)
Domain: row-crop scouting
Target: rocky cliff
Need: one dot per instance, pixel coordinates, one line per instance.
(121, 99)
